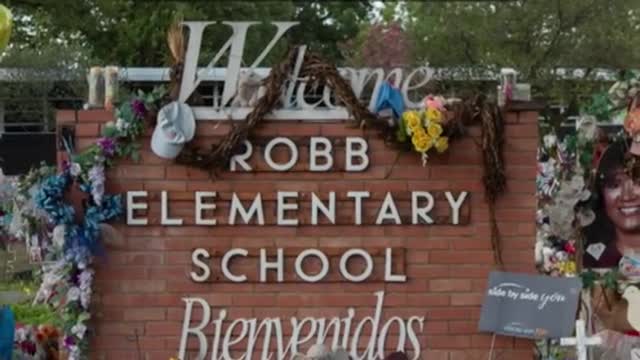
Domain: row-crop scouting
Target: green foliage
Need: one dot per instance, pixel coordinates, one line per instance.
(27, 287)
(533, 37)
(133, 33)
(28, 314)
(608, 280)
(600, 106)
(589, 278)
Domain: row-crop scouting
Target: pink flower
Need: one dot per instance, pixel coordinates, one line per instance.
(434, 102)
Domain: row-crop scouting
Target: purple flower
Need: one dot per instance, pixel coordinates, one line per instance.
(69, 341)
(75, 278)
(138, 108)
(107, 145)
(28, 347)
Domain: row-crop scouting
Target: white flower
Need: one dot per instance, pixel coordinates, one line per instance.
(78, 330)
(21, 335)
(58, 236)
(97, 191)
(538, 251)
(96, 176)
(121, 124)
(73, 294)
(587, 127)
(74, 352)
(550, 140)
(85, 299)
(85, 277)
(75, 169)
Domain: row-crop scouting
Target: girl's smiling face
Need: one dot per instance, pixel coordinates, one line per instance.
(622, 201)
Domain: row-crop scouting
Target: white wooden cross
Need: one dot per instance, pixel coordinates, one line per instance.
(581, 341)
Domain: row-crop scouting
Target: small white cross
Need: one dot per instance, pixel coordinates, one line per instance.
(581, 341)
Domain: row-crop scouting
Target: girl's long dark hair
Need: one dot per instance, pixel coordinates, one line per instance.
(602, 229)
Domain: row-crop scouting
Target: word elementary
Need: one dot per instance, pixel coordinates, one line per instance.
(322, 209)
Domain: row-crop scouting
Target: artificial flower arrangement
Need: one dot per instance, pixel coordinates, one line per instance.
(425, 128)
(561, 192)
(37, 342)
(66, 239)
(564, 183)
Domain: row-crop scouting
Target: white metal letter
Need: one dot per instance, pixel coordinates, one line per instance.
(455, 204)
(200, 207)
(164, 211)
(323, 271)
(361, 152)
(225, 265)
(132, 206)
(278, 265)
(292, 147)
(314, 153)
(282, 206)
(246, 215)
(421, 213)
(195, 259)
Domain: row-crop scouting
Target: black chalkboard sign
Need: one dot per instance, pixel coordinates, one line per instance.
(530, 306)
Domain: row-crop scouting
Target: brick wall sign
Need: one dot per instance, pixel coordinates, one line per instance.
(315, 233)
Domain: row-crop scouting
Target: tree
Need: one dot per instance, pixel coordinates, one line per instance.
(380, 45)
(531, 36)
(132, 33)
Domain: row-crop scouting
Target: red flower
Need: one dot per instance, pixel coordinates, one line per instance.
(570, 248)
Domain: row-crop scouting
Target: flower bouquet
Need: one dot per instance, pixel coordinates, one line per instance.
(37, 342)
(425, 128)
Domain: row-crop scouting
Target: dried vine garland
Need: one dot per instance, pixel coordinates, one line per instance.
(489, 116)
(315, 69)
(494, 177)
(477, 110)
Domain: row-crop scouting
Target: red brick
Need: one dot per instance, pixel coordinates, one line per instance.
(142, 285)
(64, 117)
(463, 327)
(141, 172)
(95, 116)
(461, 257)
(449, 341)
(91, 130)
(528, 117)
(143, 314)
(466, 299)
(449, 285)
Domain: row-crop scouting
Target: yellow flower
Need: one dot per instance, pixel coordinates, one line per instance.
(442, 144)
(412, 120)
(422, 143)
(434, 129)
(567, 267)
(418, 132)
(434, 115)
